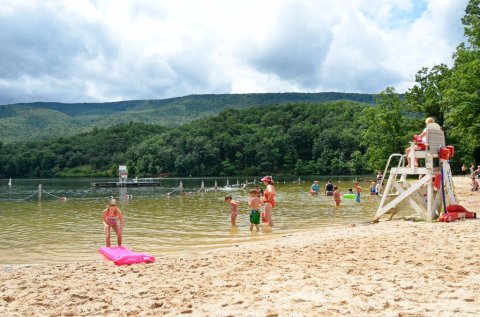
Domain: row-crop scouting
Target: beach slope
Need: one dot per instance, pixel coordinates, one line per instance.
(395, 268)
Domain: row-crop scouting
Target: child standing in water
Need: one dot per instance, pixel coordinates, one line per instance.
(254, 203)
(358, 190)
(112, 218)
(336, 196)
(268, 199)
(373, 189)
(234, 207)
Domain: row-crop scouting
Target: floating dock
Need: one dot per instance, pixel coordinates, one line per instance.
(125, 184)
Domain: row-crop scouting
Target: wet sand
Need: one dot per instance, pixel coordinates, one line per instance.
(395, 268)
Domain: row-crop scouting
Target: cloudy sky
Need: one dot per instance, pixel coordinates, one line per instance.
(108, 50)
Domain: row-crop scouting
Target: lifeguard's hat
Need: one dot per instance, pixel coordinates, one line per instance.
(112, 202)
(267, 178)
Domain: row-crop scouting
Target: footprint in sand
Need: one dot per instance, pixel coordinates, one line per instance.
(156, 305)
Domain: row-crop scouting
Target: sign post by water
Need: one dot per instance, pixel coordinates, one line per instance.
(122, 173)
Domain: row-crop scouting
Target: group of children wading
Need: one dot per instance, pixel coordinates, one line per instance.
(254, 202)
(331, 190)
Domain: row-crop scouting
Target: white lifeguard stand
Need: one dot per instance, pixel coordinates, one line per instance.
(428, 187)
(122, 173)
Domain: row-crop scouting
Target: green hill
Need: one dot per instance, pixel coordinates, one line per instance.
(48, 120)
(298, 138)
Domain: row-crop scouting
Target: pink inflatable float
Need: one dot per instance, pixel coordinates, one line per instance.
(121, 255)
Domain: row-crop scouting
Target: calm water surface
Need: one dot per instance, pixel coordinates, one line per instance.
(51, 231)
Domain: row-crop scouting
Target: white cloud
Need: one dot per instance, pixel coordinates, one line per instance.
(105, 50)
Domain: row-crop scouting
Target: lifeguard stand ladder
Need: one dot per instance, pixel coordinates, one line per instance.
(424, 191)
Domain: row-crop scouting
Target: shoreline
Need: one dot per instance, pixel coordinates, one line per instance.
(394, 268)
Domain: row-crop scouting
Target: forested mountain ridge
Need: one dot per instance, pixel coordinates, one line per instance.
(48, 120)
(296, 138)
(331, 138)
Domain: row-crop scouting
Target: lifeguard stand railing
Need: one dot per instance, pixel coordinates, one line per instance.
(419, 186)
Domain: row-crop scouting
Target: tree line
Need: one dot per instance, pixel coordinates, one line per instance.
(299, 139)
(290, 139)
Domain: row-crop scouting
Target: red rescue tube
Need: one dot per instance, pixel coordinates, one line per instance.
(451, 148)
(437, 181)
(455, 212)
(453, 208)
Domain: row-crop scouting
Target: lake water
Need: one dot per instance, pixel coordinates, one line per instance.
(52, 230)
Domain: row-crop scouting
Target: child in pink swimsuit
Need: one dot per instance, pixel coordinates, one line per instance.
(112, 218)
(234, 208)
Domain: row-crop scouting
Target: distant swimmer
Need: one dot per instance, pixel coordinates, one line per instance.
(315, 188)
(373, 189)
(336, 196)
(358, 190)
(329, 188)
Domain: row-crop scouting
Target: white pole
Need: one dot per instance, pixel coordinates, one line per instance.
(39, 192)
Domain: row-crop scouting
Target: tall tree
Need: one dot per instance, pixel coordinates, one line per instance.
(452, 96)
(387, 128)
(462, 93)
(426, 96)
(471, 23)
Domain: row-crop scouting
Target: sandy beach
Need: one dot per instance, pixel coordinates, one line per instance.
(394, 268)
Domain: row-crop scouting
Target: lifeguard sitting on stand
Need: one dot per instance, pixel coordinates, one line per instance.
(419, 143)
